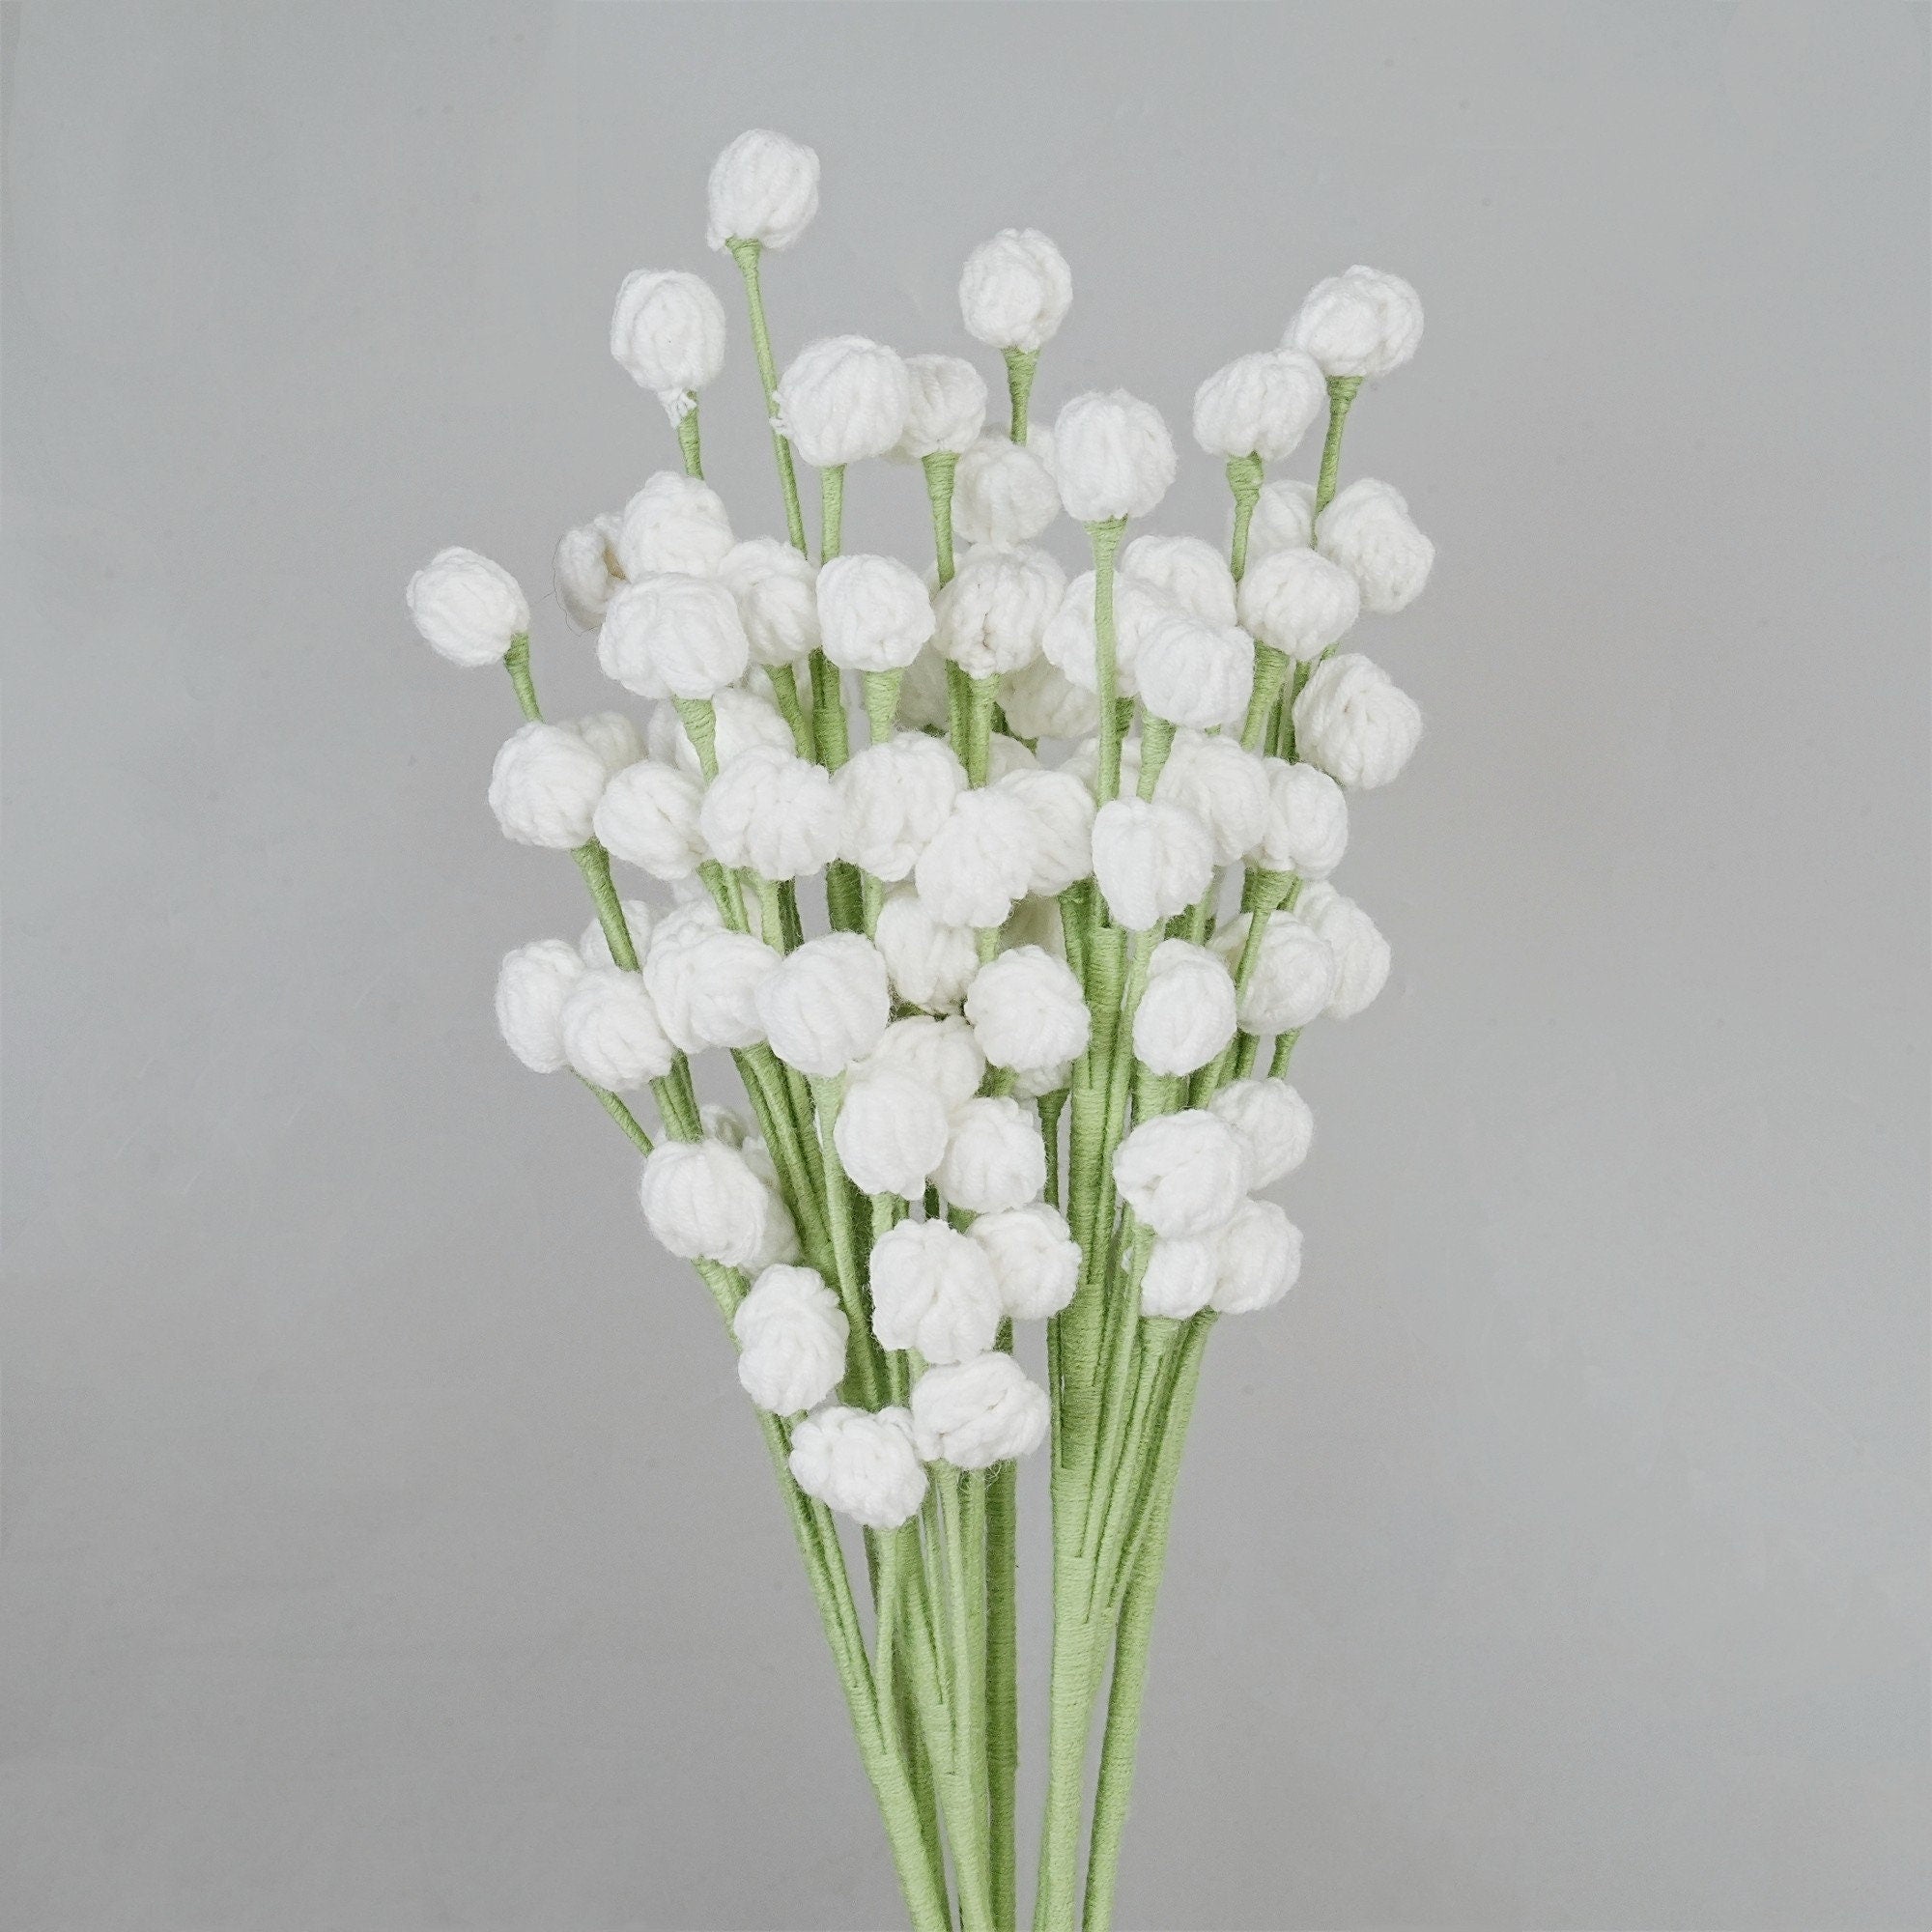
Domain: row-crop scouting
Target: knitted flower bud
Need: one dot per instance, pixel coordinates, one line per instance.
(978, 861)
(610, 1031)
(776, 589)
(1363, 323)
(1041, 701)
(994, 1158)
(1354, 723)
(1035, 1260)
(532, 984)
(1015, 291)
(1043, 1080)
(673, 637)
(1194, 673)
(873, 612)
(989, 619)
(791, 1337)
(1306, 828)
(1112, 456)
(1003, 494)
(948, 406)
(1257, 1258)
(668, 333)
(1186, 1015)
(827, 1004)
(974, 1415)
(1284, 518)
(860, 1465)
(705, 983)
(1068, 641)
(741, 721)
(772, 812)
(1368, 530)
(674, 523)
(1225, 787)
(1186, 571)
(1178, 1281)
(843, 399)
(1293, 977)
(1259, 404)
(1027, 1011)
(1298, 602)
(1273, 1123)
(466, 608)
(1181, 1174)
(941, 1054)
(891, 1134)
(1152, 861)
(587, 572)
(764, 188)
(545, 785)
(612, 736)
(1061, 809)
(930, 964)
(704, 1203)
(593, 945)
(648, 816)
(934, 1290)
(893, 797)
(1361, 952)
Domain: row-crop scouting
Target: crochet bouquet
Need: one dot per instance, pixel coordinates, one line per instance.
(1024, 1063)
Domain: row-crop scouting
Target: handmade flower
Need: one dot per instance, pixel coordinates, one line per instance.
(1361, 952)
(1259, 404)
(1290, 979)
(1003, 494)
(862, 1465)
(741, 721)
(1060, 811)
(891, 1132)
(989, 619)
(1181, 1173)
(612, 736)
(545, 785)
(703, 982)
(948, 407)
(587, 572)
(1186, 1013)
(1194, 673)
(668, 334)
(1180, 1277)
(1027, 1011)
(1306, 827)
(1186, 571)
(1257, 1258)
(933, 1289)
(1112, 456)
(532, 984)
(674, 523)
(939, 1053)
(791, 1338)
(843, 399)
(1367, 529)
(1273, 1123)
(976, 1413)
(673, 636)
(1225, 787)
(1151, 860)
(1298, 602)
(647, 815)
(772, 812)
(593, 945)
(892, 798)
(993, 1159)
(1284, 518)
(610, 1031)
(978, 861)
(704, 1203)
(1015, 291)
(1041, 701)
(776, 589)
(764, 188)
(466, 608)
(1034, 1257)
(1363, 323)
(873, 612)
(929, 963)
(826, 1004)
(1352, 721)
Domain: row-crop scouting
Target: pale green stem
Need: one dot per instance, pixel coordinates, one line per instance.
(745, 254)
(687, 441)
(1020, 365)
(882, 702)
(633, 1127)
(1342, 393)
(1156, 742)
(939, 472)
(1244, 479)
(517, 662)
(1106, 542)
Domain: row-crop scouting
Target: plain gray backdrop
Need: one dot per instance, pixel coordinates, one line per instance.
(388, 1547)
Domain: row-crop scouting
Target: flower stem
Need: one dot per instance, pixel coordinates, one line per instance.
(517, 662)
(1244, 479)
(745, 254)
(687, 442)
(1020, 365)
(1106, 542)
(1342, 392)
(939, 467)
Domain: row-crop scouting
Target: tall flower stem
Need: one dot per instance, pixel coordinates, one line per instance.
(1020, 365)
(1106, 542)
(1244, 479)
(940, 469)
(686, 439)
(745, 254)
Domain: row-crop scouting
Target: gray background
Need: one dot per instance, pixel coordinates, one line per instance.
(387, 1547)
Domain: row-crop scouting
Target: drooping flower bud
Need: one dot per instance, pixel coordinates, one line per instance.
(466, 608)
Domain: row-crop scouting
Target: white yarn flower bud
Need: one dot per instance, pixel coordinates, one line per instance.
(1259, 404)
(994, 1159)
(1361, 952)
(873, 612)
(587, 572)
(1069, 641)
(673, 637)
(1369, 532)
(1181, 1174)
(764, 188)
(1112, 456)
(1186, 571)
(974, 1415)
(948, 406)
(1152, 861)
(611, 1032)
(1027, 1011)
(1257, 1258)
(1298, 602)
(929, 963)
(776, 588)
(893, 797)
(791, 1336)
(466, 608)
(1293, 977)
(593, 945)
(1040, 1080)
(989, 619)
(1306, 827)
(1036, 1259)
(940, 1053)
(741, 721)
(1224, 786)
(844, 398)
(862, 1465)
(1354, 723)
(1015, 291)
(933, 1289)
(1363, 323)
(545, 785)
(1061, 809)
(612, 736)
(705, 982)
(1041, 701)
(1273, 1123)
(668, 334)
(648, 816)
(703, 1202)
(1194, 673)
(674, 523)
(827, 1005)
(892, 1133)
(772, 812)
(1178, 1281)
(1186, 1015)
(1003, 494)
(532, 984)
(1284, 518)
(978, 861)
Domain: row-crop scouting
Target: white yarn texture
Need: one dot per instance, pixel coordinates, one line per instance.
(764, 188)
(1112, 456)
(668, 334)
(862, 1465)
(976, 1413)
(466, 608)
(791, 1338)
(1352, 721)
(545, 785)
(844, 399)
(1016, 289)
(1362, 323)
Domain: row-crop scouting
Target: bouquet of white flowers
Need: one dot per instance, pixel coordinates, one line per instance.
(1014, 1073)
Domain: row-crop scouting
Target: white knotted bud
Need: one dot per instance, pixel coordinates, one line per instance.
(1298, 602)
(741, 721)
(892, 1133)
(989, 619)
(1181, 1174)
(1043, 1080)
(1003, 494)
(1284, 518)
(612, 736)
(545, 785)
(1178, 1281)
(893, 797)
(1354, 723)
(948, 407)
(1369, 532)
(1035, 1260)
(978, 861)
(1193, 673)
(466, 608)
(1015, 291)
(532, 984)
(1041, 701)
(1257, 1258)
(791, 1336)
(1259, 404)
(593, 944)
(771, 812)
(827, 1004)
(933, 1289)
(873, 612)
(1152, 860)
(1273, 1123)
(673, 637)
(1363, 323)
(668, 334)
(675, 523)
(1112, 456)
(764, 188)
(929, 963)
(704, 1202)
(974, 1415)
(940, 1053)
(994, 1159)
(1027, 1011)
(1291, 979)
(1306, 828)
(705, 982)
(843, 399)
(1070, 640)
(776, 588)
(648, 816)
(587, 572)
(1186, 1013)
(1186, 571)
(1061, 809)
(862, 1465)
(611, 1032)
(1224, 786)
(1361, 952)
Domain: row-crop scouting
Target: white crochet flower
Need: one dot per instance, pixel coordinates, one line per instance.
(741, 721)
(978, 861)
(1368, 530)
(1041, 701)
(772, 812)
(989, 619)
(1186, 571)
(1193, 673)
(545, 785)
(1003, 494)
(791, 1336)
(1111, 457)
(843, 399)
(930, 964)
(1306, 830)
(1027, 1011)
(976, 1414)
(466, 608)
(941, 1054)
(587, 572)
(532, 984)
(1354, 723)
(891, 1132)
(705, 982)
(948, 406)
(873, 612)
(1257, 1258)
(1015, 291)
(994, 1159)
(862, 1465)
(1273, 1123)
(1298, 602)
(1181, 1174)
(1363, 323)
(611, 1032)
(1151, 860)
(1361, 952)
(703, 1202)
(764, 188)
(673, 636)
(1259, 404)
(1036, 1259)
(1178, 1281)
(933, 1289)
(1293, 977)
(648, 816)
(776, 588)
(1224, 786)
(1069, 641)
(675, 523)
(1186, 1013)
(827, 1004)
(1284, 518)
(668, 334)
(1061, 809)
(612, 736)
(892, 798)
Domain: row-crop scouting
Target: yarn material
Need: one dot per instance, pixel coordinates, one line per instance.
(532, 984)
(704, 1203)
(1193, 673)
(611, 1032)
(1259, 404)
(933, 1289)
(1186, 1013)
(791, 1335)
(827, 1004)
(1151, 860)
(948, 407)
(1284, 518)
(930, 964)
(891, 1133)
(1111, 457)
(1007, 755)
(764, 188)
(772, 812)
(989, 619)
(1353, 722)
(1027, 1011)
(994, 1159)
(1016, 289)
(893, 799)
(585, 570)
(705, 982)
(1034, 1257)
(1178, 1279)
(978, 861)
(862, 1465)
(593, 945)
(1361, 952)
(777, 592)
(1224, 786)
(1360, 323)
(612, 736)
(647, 815)
(1186, 571)
(1305, 830)
(741, 721)
(1003, 494)
(1275, 1124)
(873, 612)
(1258, 1258)
(1181, 1174)
(673, 636)
(1041, 701)
(1298, 602)
(545, 785)
(1368, 530)
(466, 608)
(1293, 977)
(1070, 640)
(939, 1053)
(923, 693)
(668, 334)
(843, 398)
(976, 1413)
(674, 523)
(1059, 809)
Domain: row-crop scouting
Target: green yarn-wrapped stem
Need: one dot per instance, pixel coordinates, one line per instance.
(1020, 365)
(745, 254)
(686, 439)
